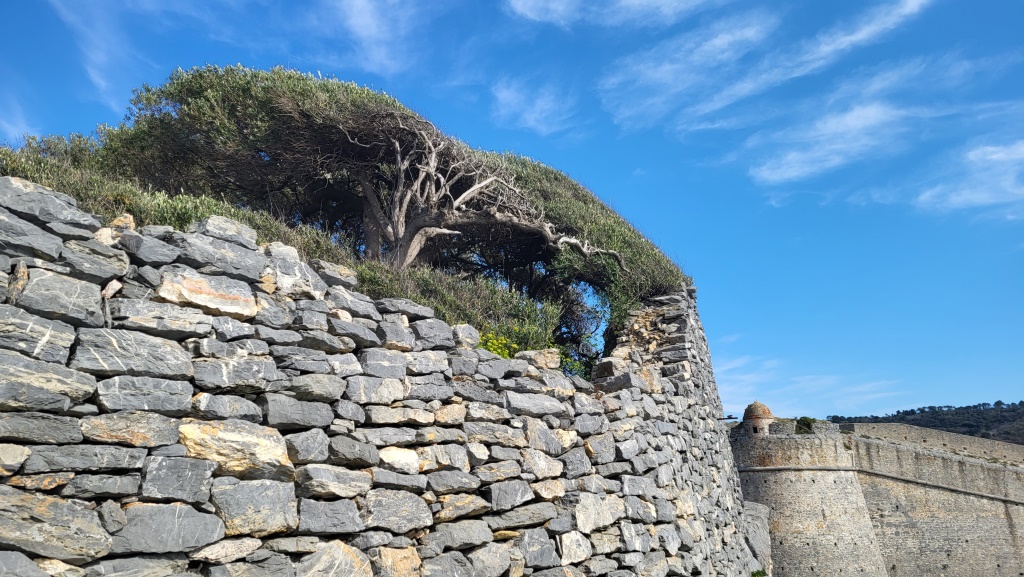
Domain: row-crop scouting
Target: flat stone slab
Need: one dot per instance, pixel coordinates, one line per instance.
(330, 482)
(112, 352)
(171, 528)
(240, 448)
(329, 517)
(32, 428)
(226, 229)
(19, 237)
(93, 261)
(178, 479)
(35, 336)
(252, 374)
(28, 384)
(51, 527)
(212, 254)
(135, 428)
(43, 205)
(161, 319)
(396, 511)
(334, 558)
(62, 298)
(92, 458)
(290, 276)
(257, 508)
(216, 295)
(163, 396)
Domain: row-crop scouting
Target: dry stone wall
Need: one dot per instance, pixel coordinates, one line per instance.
(193, 403)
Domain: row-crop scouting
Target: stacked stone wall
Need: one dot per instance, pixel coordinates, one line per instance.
(936, 440)
(195, 403)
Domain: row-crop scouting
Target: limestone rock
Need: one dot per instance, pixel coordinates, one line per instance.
(244, 375)
(11, 458)
(50, 527)
(162, 396)
(596, 511)
(37, 203)
(258, 564)
(525, 516)
(31, 428)
(451, 564)
(507, 495)
(378, 415)
(215, 295)
(542, 359)
(62, 298)
(178, 479)
(171, 528)
(212, 254)
(396, 511)
(392, 562)
(329, 517)
(35, 336)
(461, 505)
(121, 352)
(575, 547)
(466, 336)
(322, 388)
(27, 384)
(400, 459)
(17, 564)
(207, 406)
(539, 549)
(534, 405)
(433, 334)
(451, 481)
(226, 551)
(146, 250)
(257, 508)
(491, 560)
(406, 307)
(329, 482)
(96, 486)
(160, 319)
(135, 428)
(374, 390)
(494, 434)
(290, 275)
(226, 229)
(541, 465)
(357, 304)
(308, 446)
(240, 448)
(383, 363)
(352, 453)
(360, 335)
(19, 237)
(284, 413)
(94, 261)
(335, 274)
(334, 559)
(434, 457)
(92, 458)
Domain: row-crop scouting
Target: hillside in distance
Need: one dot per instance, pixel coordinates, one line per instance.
(998, 421)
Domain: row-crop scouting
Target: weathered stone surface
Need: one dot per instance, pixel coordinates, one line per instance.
(285, 413)
(121, 352)
(178, 479)
(244, 375)
(494, 434)
(460, 505)
(426, 362)
(45, 458)
(138, 566)
(160, 319)
(392, 562)
(335, 274)
(208, 347)
(525, 516)
(256, 508)
(240, 448)
(434, 457)
(433, 334)
(466, 336)
(541, 465)
(358, 304)
(147, 250)
(575, 547)
(17, 564)
(308, 446)
(379, 415)
(334, 559)
(534, 405)
(498, 471)
(215, 295)
(226, 229)
(158, 528)
(383, 363)
(374, 390)
(396, 511)
(491, 560)
(50, 527)
(328, 482)
(229, 329)
(258, 564)
(400, 459)
(290, 276)
(395, 336)
(451, 481)
(360, 335)
(292, 544)
(451, 564)
(597, 511)
(507, 495)
(135, 428)
(460, 535)
(95, 486)
(349, 452)
(212, 255)
(39, 428)
(323, 388)
(11, 458)
(126, 393)
(406, 307)
(19, 237)
(539, 549)
(93, 261)
(329, 517)
(226, 551)
(387, 479)
(37, 203)
(219, 407)
(39, 338)
(62, 298)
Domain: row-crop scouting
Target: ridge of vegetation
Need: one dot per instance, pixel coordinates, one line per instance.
(351, 175)
(998, 421)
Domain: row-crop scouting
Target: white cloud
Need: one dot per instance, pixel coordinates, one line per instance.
(380, 31)
(990, 176)
(643, 87)
(566, 13)
(544, 109)
(834, 140)
(13, 124)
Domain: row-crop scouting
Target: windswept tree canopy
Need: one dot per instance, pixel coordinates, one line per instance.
(361, 166)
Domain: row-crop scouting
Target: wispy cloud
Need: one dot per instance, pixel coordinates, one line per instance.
(644, 87)
(991, 175)
(566, 13)
(13, 124)
(544, 109)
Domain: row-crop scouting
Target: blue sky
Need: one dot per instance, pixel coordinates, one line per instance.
(844, 180)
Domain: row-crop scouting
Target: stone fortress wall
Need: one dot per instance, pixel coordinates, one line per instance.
(911, 497)
(192, 403)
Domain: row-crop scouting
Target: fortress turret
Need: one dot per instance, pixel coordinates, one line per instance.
(757, 418)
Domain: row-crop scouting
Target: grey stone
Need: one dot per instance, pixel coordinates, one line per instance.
(577, 463)
(244, 375)
(309, 320)
(291, 276)
(590, 424)
(178, 479)
(240, 448)
(34, 428)
(16, 564)
(112, 516)
(444, 482)
(395, 336)
(45, 459)
(574, 547)
(39, 338)
(207, 406)
(159, 528)
(463, 362)
(175, 450)
(635, 537)
(505, 495)
(146, 250)
(433, 334)
(19, 237)
(215, 295)
(28, 384)
(160, 231)
(426, 362)
(135, 428)
(326, 342)
(212, 255)
(493, 369)
(301, 359)
(349, 410)
(497, 471)
(451, 564)
(292, 545)
(328, 482)
(374, 390)
(596, 511)
(334, 559)
(259, 564)
(160, 319)
(525, 516)
(274, 311)
(448, 456)
(378, 415)
(93, 261)
(534, 405)
(50, 527)
(138, 566)
(213, 348)
(37, 203)
(539, 549)
(486, 412)
(396, 511)
(335, 274)
(226, 551)
(383, 363)
(256, 508)
(406, 307)
(121, 352)
(277, 336)
(226, 229)
(62, 298)
(360, 335)
(329, 517)
(386, 479)
(494, 434)
(308, 446)
(125, 393)
(345, 451)
(96, 486)
(474, 392)
(540, 465)
(460, 535)
(441, 435)
(491, 560)
(11, 458)
(229, 329)
(285, 413)
(357, 304)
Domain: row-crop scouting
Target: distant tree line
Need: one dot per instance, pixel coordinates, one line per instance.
(999, 420)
